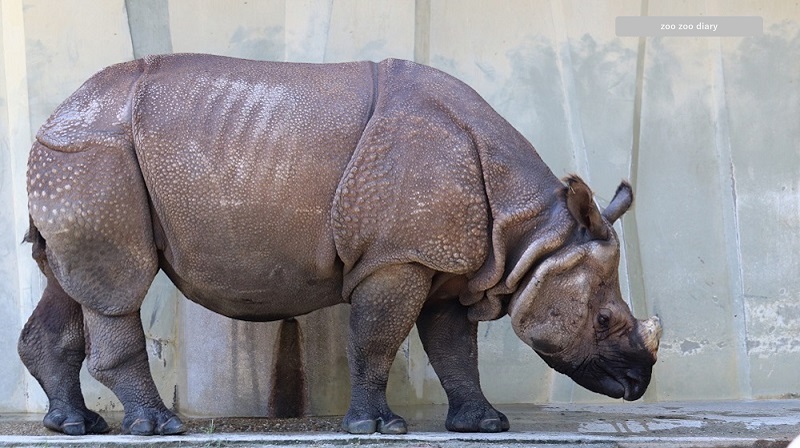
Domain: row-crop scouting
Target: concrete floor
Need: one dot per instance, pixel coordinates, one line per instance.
(762, 424)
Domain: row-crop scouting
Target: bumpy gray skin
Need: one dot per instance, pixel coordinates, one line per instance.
(269, 190)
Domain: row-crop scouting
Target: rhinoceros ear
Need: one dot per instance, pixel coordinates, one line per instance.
(622, 201)
(582, 207)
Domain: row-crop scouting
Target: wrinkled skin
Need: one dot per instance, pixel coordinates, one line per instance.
(269, 190)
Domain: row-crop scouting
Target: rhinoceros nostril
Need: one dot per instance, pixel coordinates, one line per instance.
(634, 374)
(634, 385)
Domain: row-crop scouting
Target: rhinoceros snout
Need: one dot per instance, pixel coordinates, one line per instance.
(650, 330)
(635, 384)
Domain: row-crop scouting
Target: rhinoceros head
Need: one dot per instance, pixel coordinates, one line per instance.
(570, 309)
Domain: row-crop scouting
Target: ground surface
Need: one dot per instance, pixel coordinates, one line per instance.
(763, 424)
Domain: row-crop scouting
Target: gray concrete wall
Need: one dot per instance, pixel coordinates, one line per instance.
(707, 130)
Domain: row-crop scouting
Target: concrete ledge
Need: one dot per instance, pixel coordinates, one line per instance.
(761, 424)
(509, 439)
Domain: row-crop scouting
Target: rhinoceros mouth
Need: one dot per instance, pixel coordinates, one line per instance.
(629, 388)
(635, 386)
(615, 378)
(635, 382)
(629, 385)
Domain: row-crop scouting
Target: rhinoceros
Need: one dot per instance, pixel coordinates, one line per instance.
(266, 190)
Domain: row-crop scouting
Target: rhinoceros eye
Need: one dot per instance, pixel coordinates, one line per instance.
(603, 320)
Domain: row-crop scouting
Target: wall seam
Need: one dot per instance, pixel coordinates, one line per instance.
(631, 249)
(141, 31)
(730, 216)
(565, 68)
(630, 223)
(328, 24)
(126, 8)
(422, 31)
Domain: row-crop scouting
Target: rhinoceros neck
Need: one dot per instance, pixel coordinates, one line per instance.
(518, 247)
(525, 199)
(528, 212)
(554, 230)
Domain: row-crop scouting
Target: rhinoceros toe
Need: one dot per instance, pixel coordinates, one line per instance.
(389, 424)
(367, 426)
(476, 417)
(73, 422)
(395, 426)
(150, 423)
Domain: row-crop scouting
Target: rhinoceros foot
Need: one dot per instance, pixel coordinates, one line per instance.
(151, 422)
(389, 424)
(74, 422)
(475, 416)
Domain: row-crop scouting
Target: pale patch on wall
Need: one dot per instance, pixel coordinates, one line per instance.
(773, 325)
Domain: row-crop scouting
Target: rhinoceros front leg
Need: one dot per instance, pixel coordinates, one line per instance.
(450, 340)
(384, 308)
(118, 359)
(52, 348)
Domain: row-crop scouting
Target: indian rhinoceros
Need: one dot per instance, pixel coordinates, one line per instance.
(267, 190)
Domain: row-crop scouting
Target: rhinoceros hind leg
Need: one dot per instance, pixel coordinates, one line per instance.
(52, 348)
(450, 340)
(118, 359)
(384, 308)
(89, 202)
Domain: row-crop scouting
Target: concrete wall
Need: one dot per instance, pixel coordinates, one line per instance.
(707, 130)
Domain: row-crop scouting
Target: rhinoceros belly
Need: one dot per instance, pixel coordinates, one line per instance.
(241, 160)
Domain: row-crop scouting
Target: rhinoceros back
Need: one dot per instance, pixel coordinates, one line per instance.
(241, 160)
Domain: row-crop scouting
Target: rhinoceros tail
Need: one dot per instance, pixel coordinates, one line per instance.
(38, 251)
(33, 233)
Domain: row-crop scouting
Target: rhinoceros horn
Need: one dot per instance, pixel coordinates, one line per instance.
(650, 330)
